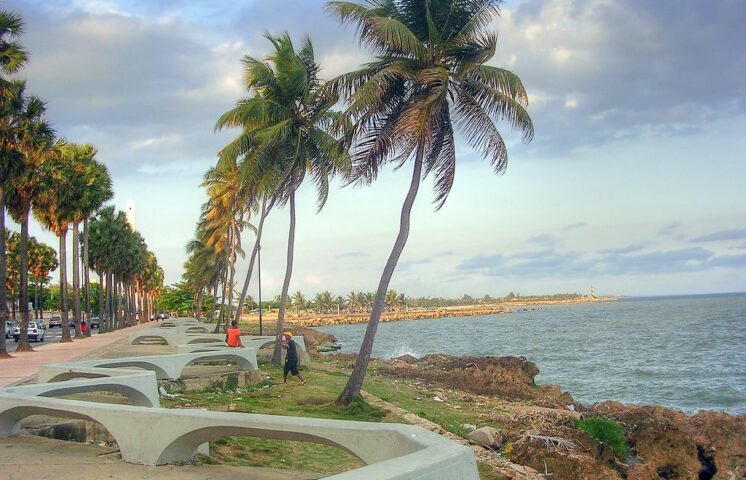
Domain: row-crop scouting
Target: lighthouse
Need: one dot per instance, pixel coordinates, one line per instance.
(129, 212)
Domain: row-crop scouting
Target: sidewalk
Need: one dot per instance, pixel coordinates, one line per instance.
(25, 365)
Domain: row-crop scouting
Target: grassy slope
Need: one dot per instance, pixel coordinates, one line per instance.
(316, 399)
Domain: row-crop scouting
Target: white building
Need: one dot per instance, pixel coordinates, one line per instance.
(129, 212)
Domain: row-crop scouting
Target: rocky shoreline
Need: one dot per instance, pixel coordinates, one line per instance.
(318, 320)
(530, 431)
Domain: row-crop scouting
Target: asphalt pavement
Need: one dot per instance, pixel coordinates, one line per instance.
(52, 335)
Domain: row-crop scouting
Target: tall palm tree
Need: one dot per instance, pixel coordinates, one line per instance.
(429, 77)
(54, 208)
(94, 187)
(12, 58)
(42, 261)
(285, 133)
(35, 141)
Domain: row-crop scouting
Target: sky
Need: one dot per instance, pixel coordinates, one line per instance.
(635, 181)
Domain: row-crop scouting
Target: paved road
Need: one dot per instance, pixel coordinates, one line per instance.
(53, 335)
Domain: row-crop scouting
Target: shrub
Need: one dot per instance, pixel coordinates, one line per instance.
(605, 431)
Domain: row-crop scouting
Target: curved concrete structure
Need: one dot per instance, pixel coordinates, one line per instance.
(140, 388)
(166, 367)
(156, 436)
(149, 435)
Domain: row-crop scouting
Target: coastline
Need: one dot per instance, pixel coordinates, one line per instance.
(323, 320)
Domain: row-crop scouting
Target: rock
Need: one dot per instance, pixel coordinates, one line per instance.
(509, 377)
(487, 436)
(406, 358)
(441, 395)
(469, 426)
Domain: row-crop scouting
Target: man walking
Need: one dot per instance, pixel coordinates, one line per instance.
(291, 359)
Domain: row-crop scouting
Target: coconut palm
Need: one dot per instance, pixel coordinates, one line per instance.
(12, 58)
(429, 78)
(284, 135)
(34, 138)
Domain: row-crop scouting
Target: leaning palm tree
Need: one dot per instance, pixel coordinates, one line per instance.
(285, 136)
(429, 78)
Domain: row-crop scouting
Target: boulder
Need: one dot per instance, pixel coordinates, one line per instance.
(488, 437)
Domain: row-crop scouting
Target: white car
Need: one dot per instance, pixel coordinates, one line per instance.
(35, 332)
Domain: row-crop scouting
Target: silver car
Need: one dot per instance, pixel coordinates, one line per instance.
(35, 332)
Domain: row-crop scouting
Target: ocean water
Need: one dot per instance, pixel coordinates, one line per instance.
(682, 352)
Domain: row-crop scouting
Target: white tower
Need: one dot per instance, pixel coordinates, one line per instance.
(129, 212)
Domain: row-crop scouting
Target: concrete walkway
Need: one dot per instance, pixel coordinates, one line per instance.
(23, 366)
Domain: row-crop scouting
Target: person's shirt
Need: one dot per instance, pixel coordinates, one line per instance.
(234, 335)
(292, 355)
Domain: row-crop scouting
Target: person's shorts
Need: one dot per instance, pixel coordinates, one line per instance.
(293, 369)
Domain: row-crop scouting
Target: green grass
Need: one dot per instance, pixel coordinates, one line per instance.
(420, 402)
(605, 431)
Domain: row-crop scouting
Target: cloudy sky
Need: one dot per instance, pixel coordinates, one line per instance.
(635, 181)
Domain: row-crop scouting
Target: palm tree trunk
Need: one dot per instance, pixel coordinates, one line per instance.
(63, 288)
(76, 280)
(109, 302)
(355, 383)
(87, 279)
(257, 243)
(101, 317)
(221, 315)
(211, 313)
(276, 355)
(3, 274)
(23, 343)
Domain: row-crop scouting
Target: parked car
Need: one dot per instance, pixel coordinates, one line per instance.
(35, 332)
(55, 322)
(95, 322)
(10, 325)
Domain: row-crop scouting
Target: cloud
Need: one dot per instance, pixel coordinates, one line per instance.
(670, 229)
(635, 247)
(737, 234)
(544, 239)
(447, 253)
(555, 263)
(574, 226)
(406, 265)
(729, 261)
(607, 70)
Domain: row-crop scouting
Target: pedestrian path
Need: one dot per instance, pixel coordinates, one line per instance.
(23, 366)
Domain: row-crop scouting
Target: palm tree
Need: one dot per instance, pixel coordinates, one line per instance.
(95, 193)
(42, 261)
(35, 140)
(284, 135)
(12, 58)
(105, 231)
(429, 77)
(298, 301)
(54, 208)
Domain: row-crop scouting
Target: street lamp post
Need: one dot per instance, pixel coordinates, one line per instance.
(259, 268)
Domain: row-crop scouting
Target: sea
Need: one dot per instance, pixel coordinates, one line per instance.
(684, 352)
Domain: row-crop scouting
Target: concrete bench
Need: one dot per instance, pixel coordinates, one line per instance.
(157, 436)
(166, 367)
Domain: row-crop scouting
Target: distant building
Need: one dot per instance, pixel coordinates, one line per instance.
(129, 212)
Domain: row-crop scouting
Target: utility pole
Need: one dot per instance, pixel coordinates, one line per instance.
(259, 268)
